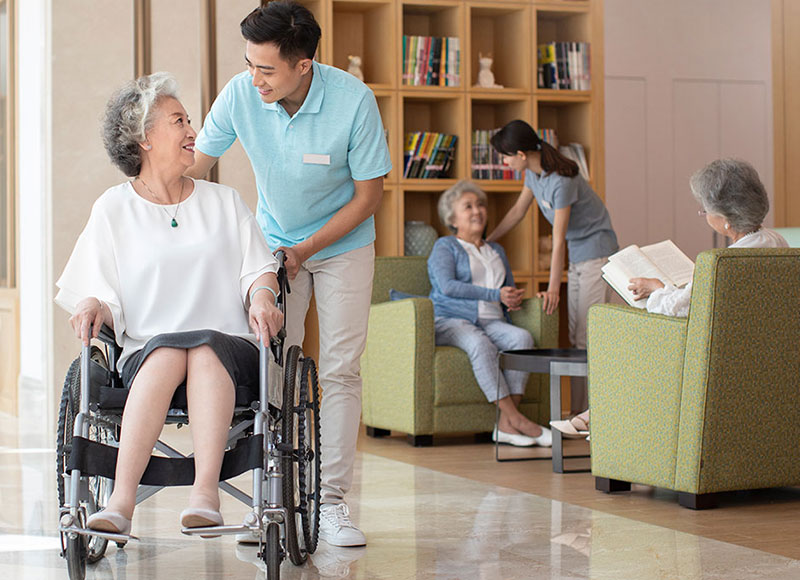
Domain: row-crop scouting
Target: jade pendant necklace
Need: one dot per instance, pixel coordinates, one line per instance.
(174, 222)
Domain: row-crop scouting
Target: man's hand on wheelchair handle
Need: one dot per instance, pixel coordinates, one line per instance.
(88, 319)
(294, 258)
(266, 319)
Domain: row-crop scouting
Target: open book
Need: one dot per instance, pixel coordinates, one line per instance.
(662, 260)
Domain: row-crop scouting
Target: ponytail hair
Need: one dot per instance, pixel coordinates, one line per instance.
(519, 136)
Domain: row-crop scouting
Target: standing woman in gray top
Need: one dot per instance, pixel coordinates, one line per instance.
(580, 221)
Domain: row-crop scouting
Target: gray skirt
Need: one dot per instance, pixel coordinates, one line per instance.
(238, 355)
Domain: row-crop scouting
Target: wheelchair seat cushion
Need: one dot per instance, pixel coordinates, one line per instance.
(238, 355)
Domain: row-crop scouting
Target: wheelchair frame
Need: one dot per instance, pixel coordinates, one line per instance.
(285, 497)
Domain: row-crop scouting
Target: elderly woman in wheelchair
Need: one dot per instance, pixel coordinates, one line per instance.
(180, 271)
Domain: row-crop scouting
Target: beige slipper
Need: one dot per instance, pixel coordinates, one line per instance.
(568, 429)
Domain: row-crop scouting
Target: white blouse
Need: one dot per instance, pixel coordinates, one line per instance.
(674, 301)
(156, 278)
(488, 271)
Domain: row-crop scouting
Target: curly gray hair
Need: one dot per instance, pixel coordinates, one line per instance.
(129, 115)
(449, 198)
(731, 188)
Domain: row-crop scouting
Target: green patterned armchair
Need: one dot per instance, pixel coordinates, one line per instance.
(708, 403)
(415, 387)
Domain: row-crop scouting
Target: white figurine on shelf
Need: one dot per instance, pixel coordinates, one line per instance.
(485, 74)
(355, 67)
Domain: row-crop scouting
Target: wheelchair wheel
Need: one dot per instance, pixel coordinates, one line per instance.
(309, 462)
(300, 429)
(271, 552)
(75, 552)
(99, 488)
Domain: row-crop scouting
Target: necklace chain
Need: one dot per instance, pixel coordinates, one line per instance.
(174, 222)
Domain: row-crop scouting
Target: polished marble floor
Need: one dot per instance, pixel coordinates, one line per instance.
(420, 523)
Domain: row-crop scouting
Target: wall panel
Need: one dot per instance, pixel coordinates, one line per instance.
(696, 142)
(626, 156)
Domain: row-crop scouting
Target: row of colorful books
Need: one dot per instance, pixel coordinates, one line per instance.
(565, 66)
(487, 163)
(431, 60)
(427, 154)
(548, 136)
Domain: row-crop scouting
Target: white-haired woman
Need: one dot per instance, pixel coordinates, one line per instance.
(181, 272)
(472, 289)
(734, 203)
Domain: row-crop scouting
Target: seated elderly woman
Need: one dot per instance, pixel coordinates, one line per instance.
(472, 290)
(734, 204)
(178, 268)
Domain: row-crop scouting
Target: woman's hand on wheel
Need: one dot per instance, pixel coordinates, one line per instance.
(511, 297)
(549, 301)
(266, 319)
(88, 319)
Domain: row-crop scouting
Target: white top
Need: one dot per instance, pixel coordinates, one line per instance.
(674, 301)
(488, 271)
(156, 278)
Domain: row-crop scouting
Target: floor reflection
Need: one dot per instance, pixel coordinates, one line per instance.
(420, 523)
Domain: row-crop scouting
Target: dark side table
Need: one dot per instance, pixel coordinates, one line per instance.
(557, 362)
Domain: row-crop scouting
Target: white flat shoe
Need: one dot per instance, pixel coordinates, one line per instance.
(545, 439)
(201, 518)
(108, 521)
(515, 439)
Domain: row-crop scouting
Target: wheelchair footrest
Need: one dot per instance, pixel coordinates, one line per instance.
(111, 536)
(219, 530)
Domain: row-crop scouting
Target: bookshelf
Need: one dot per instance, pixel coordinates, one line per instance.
(510, 32)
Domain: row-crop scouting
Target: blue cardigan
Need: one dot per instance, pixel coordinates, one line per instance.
(452, 291)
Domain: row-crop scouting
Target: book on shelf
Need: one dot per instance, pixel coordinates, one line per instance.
(549, 136)
(576, 152)
(564, 66)
(663, 260)
(431, 61)
(427, 155)
(486, 162)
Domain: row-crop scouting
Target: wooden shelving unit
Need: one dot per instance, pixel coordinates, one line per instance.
(510, 31)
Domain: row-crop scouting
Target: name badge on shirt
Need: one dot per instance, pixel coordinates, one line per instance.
(316, 159)
(546, 205)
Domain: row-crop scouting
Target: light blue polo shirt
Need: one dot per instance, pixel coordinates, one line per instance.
(304, 165)
(589, 231)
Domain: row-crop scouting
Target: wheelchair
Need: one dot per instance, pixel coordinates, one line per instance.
(275, 433)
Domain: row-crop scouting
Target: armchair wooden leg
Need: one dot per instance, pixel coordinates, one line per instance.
(607, 485)
(420, 440)
(377, 432)
(697, 501)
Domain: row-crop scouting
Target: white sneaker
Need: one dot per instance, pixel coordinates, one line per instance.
(336, 527)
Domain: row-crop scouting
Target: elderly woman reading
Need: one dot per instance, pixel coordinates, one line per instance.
(178, 268)
(734, 203)
(472, 289)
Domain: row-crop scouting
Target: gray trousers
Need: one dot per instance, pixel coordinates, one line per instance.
(482, 342)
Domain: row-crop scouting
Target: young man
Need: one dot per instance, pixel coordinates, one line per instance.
(315, 140)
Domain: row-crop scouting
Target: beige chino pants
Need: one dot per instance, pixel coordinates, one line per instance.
(342, 286)
(585, 286)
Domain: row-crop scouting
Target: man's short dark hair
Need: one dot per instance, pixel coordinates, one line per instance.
(288, 25)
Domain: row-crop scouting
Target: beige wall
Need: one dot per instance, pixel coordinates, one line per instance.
(92, 54)
(687, 81)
